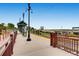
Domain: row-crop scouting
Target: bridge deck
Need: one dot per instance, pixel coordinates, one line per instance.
(39, 46)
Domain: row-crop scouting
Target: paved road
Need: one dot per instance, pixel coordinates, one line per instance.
(39, 46)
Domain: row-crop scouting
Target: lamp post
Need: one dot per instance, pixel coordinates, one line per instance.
(29, 8)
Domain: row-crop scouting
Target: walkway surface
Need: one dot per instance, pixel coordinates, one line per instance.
(39, 46)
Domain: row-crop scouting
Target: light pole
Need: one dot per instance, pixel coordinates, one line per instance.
(29, 8)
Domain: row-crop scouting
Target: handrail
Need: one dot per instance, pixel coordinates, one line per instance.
(73, 38)
(7, 41)
(69, 44)
(7, 45)
(4, 42)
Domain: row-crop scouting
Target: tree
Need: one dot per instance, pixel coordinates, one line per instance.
(32, 29)
(10, 26)
(2, 27)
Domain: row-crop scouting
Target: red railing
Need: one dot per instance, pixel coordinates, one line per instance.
(69, 44)
(4, 34)
(6, 47)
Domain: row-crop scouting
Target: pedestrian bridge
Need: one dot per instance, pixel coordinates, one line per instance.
(39, 46)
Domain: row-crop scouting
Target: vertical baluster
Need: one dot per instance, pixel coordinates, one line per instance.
(12, 43)
(77, 48)
(72, 45)
(58, 41)
(51, 39)
(64, 43)
(61, 41)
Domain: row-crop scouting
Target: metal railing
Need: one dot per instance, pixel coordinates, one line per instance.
(69, 44)
(6, 47)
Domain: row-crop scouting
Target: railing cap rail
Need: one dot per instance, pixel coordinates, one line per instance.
(65, 37)
(4, 42)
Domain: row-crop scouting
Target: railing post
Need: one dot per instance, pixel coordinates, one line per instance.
(12, 42)
(77, 48)
(7, 51)
(53, 41)
(9, 47)
(15, 35)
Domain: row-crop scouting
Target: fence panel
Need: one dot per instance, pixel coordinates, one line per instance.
(8, 45)
(69, 44)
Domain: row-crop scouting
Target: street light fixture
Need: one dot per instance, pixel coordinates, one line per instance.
(29, 8)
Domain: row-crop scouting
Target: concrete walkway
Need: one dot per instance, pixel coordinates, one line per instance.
(39, 46)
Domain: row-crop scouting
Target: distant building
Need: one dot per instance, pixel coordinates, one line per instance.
(75, 30)
(42, 28)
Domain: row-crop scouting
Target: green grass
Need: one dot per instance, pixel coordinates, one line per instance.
(43, 34)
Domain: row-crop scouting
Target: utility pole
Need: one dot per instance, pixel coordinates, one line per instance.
(29, 8)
